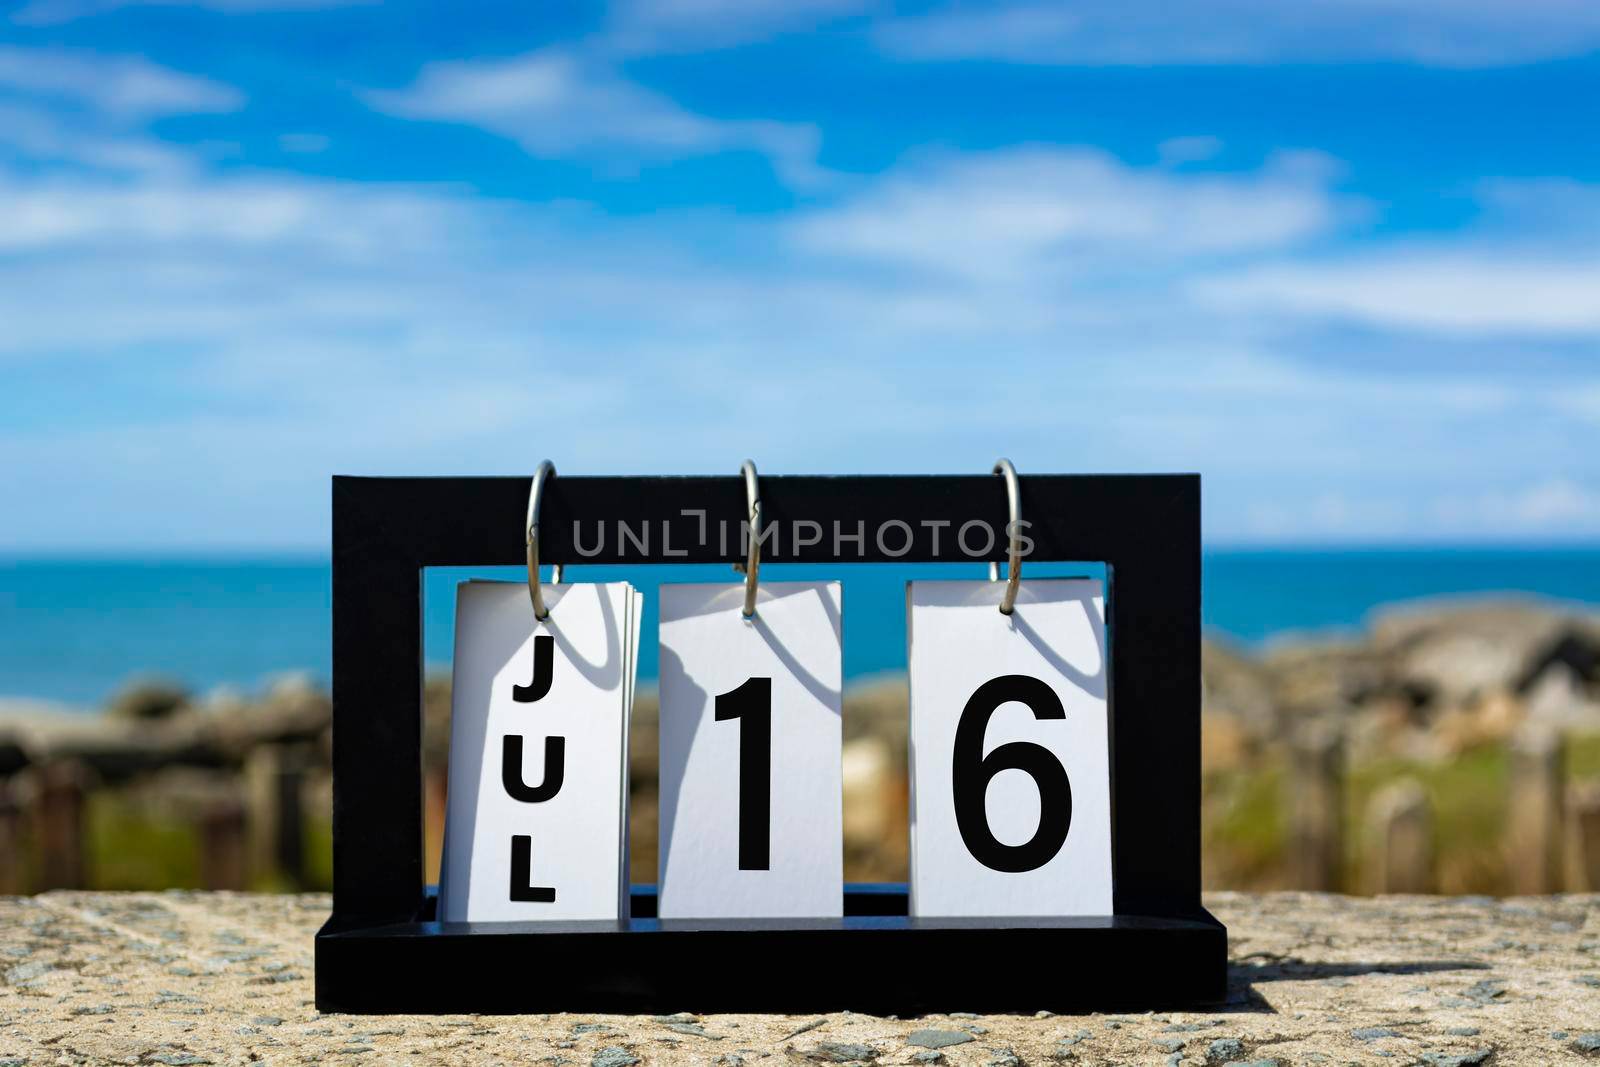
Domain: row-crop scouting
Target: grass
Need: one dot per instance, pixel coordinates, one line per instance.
(130, 850)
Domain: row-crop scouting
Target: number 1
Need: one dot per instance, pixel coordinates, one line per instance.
(751, 704)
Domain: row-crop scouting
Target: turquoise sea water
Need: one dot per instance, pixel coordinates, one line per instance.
(73, 630)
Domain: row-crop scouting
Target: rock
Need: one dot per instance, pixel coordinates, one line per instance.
(1453, 667)
(1224, 1049)
(840, 1052)
(1573, 650)
(143, 700)
(1167, 1044)
(1457, 1059)
(613, 1056)
(927, 1055)
(1463, 1031)
(1373, 1033)
(867, 767)
(1003, 1057)
(1560, 697)
(1586, 1043)
(1485, 991)
(937, 1038)
(1240, 708)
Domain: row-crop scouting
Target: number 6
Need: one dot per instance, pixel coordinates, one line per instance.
(972, 771)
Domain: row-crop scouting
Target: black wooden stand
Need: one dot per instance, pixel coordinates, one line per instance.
(382, 951)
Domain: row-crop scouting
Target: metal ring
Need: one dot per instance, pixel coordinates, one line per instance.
(1013, 537)
(752, 563)
(546, 470)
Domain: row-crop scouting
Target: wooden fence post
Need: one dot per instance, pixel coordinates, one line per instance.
(11, 865)
(59, 816)
(1316, 806)
(275, 783)
(1535, 822)
(1399, 840)
(1583, 837)
(433, 801)
(223, 863)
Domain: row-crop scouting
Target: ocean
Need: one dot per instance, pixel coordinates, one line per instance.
(73, 630)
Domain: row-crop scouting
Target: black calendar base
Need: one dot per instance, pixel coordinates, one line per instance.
(874, 960)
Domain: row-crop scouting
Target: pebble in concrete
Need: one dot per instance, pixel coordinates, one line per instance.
(1224, 1049)
(937, 1038)
(1457, 1059)
(1373, 1033)
(841, 1052)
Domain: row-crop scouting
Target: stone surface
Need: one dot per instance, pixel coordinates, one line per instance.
(195, 978)
(938, 1038)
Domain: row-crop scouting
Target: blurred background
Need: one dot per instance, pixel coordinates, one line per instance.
(1340, 258)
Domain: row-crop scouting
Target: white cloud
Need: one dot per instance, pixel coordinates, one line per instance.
(1012, 214)
(1446, 33)
(123, 87)
(1524, 267)
(639, 27)
(248, 212)
(561, 103)
(55, 12)
(1459, 293)
(89, 111)
(1546, 506)
(42, 136)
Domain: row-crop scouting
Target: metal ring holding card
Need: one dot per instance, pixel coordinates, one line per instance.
(1013, 537)
(752, 563)
(546, 470)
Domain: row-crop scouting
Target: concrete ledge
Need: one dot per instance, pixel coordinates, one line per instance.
(190, 978)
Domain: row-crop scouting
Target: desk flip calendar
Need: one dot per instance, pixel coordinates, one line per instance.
(1054, 749)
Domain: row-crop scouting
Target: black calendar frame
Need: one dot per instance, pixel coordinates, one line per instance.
(383, 951)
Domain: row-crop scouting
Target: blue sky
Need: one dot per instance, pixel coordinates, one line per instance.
(1340, 257)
